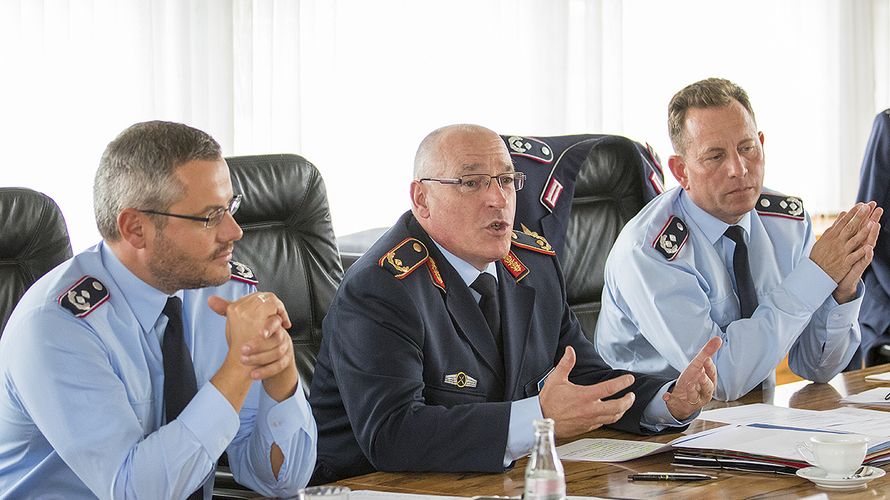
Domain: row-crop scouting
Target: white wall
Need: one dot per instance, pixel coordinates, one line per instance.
(354, 85)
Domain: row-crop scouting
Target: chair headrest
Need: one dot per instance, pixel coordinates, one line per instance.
(35, 240)
(289, 242)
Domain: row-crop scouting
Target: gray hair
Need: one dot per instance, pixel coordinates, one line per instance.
(428, 159)
(137, 170)
(707, 93)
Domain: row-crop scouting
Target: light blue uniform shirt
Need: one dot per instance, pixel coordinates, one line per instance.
(657, 314)
(81, 407)
(520, 433)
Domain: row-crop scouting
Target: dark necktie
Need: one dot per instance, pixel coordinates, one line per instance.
(487, 287)
(180, 385)
(742, 269)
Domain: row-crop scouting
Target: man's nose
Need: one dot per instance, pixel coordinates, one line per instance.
(736, 166)
(495, 195)
(229, 230)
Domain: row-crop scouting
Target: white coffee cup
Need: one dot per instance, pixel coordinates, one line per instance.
(839, 455)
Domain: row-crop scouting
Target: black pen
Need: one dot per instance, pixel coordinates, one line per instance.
(669, 476)
(887, 397)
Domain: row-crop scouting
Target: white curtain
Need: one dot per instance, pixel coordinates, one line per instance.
(354, 85)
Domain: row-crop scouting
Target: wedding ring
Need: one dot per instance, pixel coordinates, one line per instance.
(262, 297)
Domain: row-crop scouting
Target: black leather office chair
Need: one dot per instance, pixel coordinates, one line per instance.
(33, 240)
(581, 191)
(289, 244)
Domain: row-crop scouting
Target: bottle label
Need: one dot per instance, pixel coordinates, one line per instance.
(545, 487)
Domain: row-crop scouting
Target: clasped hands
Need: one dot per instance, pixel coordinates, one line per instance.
(846, 248)
(578, 409)
(256, 331)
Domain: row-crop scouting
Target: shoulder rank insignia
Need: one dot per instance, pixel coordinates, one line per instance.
(404, 258)
(530, 148)
(671, 238)
(461, 380)
(515, 266)
(85, 296)
(531, 240)
(778, 205)
(240, 272)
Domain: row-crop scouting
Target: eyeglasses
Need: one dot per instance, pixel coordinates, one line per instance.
(212, 219)
(473, 183)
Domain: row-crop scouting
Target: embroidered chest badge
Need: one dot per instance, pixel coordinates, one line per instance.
(460, 379)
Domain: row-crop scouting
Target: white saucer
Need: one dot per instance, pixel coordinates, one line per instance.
(817, 476)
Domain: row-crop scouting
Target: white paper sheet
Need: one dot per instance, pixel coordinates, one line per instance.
(385, 495)
(770, 442)
(878, 377)
(779, 443)
(847, 419)
(839, 420)
(608, 450)
(876, 396)
(760, 413)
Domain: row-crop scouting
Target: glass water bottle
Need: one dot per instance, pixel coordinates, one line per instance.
(545, 478)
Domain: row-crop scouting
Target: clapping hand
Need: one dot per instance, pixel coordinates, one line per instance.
(696, 384)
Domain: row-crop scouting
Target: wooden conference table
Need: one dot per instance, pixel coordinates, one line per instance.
(610, 480)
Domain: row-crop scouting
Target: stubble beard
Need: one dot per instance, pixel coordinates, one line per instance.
(174, 270)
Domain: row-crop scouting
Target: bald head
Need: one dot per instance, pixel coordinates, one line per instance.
(430, 159)
(473, 224)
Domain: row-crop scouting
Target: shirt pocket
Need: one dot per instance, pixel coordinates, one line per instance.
(724, 310)
(145, 415)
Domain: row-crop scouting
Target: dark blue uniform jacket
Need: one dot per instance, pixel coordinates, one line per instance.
(380, 393)
(874, 184)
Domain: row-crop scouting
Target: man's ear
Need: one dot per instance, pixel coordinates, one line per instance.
(134, 227)
(419, 202)
(678, 168)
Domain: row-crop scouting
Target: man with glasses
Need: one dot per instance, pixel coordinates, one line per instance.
(130, 368)
(452, 334)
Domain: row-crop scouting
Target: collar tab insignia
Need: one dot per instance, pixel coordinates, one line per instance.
(515, 266)
(434, 274)
(461, 380)
(84, 296)
(671, 238)
(550, 195)
(240, 272)
(779, 205)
